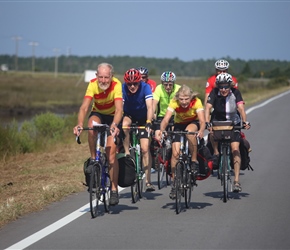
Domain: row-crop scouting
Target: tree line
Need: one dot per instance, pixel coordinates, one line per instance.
(194, 68)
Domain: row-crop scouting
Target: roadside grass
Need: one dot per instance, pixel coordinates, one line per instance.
(53, 169)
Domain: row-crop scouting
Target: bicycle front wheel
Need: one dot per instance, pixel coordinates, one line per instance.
(188, 187)
(134, 187)
(225, 175)
(159, 163)
(95, 188)
(178, 186)
(106, 192)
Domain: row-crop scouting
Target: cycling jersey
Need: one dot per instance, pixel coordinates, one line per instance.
(104, 100)
(135, 103)
(225, 107)
(152, 84)
(210, 84)
(185, 115)
(163, 98)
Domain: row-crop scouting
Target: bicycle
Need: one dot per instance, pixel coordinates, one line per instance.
(184, 178)
(100, 182)
(223, 131)
(135, 151)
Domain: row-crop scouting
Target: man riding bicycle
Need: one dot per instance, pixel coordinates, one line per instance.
(137, 97)
(106, 93)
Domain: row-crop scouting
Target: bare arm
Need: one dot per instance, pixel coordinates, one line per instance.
(205, 98)
(149, 105)
(81, 115)
(165, 120)
(208, 108)
(155, 103)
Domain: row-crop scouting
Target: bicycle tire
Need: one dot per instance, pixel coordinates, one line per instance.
(161, 167)
(106, 192)
(140, 182)
(225, 174)
(95, 193)
(134, 187)
(188, 187)
(178, 186)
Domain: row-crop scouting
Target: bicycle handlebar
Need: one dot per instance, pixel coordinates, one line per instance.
(133, 127)
(99, 128)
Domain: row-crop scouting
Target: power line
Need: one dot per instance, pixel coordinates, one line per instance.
(16, 39)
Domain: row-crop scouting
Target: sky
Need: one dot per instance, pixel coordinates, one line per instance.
(187, 30)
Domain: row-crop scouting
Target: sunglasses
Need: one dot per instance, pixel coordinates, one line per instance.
(167, 84)
(132, 84)
(144, 77)
(224, 87)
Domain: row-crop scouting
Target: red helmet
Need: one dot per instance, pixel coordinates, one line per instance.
(132, 75)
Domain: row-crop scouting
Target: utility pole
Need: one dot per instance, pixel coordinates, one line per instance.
(56, 62)
(33, 44)
(16, 39)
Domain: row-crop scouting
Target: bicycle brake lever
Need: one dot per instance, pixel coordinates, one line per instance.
(78, 140)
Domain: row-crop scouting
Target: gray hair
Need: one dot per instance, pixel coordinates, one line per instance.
(106, 65)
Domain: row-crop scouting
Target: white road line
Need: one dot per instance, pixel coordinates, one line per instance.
(51, 228)
(74, 215)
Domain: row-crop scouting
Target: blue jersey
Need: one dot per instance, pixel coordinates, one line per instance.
(135, 104)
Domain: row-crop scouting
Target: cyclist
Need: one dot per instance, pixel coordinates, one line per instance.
(106, 93)
(163, 94)
(137, 98)
(228, 105)
(189, 115)
(221, 66)
(144, 74)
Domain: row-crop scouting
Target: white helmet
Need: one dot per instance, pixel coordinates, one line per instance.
(223, 78)
(221, 64)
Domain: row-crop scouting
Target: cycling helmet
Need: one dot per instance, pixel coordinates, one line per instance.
(168, 76)
(132, 75)
(143, 70)
(221, 64)
(224, 78)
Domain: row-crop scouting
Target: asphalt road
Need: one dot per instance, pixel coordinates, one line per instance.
(256, 218)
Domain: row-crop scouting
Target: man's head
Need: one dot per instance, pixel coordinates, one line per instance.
(168, 79)
(132, 78)
(144, 73)
(223, 83)
(104, 75)
(221, 66)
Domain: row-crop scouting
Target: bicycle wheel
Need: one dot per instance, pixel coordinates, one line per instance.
(95, 194)
(178, 186)
(225, 174)
(188, 187)
(134, 187)
(140, 181)
(159, 161)
(106, 192)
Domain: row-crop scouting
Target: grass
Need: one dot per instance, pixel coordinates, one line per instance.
(31, 181)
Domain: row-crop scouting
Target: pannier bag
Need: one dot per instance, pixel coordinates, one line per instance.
(127, 174)
(87, 175)
(204, 158)
(222, 130)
